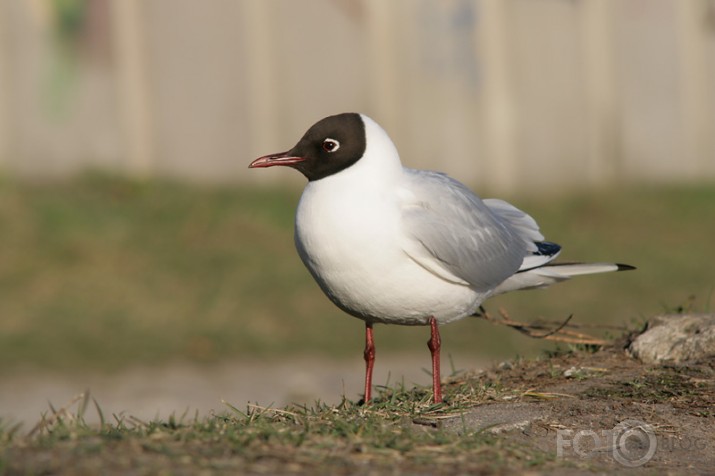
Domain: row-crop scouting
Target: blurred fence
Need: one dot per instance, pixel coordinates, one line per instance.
(504, 94)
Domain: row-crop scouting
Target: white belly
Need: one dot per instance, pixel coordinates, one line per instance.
(351, 244)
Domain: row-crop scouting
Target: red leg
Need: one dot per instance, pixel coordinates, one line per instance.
(434, 344)
(369, 355)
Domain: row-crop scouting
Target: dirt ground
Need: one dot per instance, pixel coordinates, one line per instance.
(603, 411)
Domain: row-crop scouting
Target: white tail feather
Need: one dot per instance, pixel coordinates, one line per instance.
(554, 273)
(577, 269)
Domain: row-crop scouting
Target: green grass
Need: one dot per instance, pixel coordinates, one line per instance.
(399, 429)
(102, 272)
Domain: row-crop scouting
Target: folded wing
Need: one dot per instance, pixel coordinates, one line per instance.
(457, 236)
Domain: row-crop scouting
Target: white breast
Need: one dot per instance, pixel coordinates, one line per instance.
(348, 233)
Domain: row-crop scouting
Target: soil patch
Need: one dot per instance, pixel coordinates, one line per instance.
(602, 411)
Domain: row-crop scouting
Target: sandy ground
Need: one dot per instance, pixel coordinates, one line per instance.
(157, 392)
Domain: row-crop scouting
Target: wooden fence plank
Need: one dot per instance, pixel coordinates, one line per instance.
(500, 121)
(128, 22)
(695, 88)
(600, 92)
(4, 91)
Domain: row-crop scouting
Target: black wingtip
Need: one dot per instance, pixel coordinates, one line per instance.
(625, 267)
(546, 248)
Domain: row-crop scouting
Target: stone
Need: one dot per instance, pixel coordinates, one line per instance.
(676, 339)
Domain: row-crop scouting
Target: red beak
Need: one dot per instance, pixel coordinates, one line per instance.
(281, 158)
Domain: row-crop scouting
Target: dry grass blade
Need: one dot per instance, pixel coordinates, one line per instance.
(269, 409)
(62, 413)
(137, 422)
(545, 395)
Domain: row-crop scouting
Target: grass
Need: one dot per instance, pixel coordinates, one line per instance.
(502, 420)
(102, 272)
(399, 428)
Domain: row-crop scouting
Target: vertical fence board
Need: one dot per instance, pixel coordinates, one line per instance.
(133, 90)
(696, 126)
(648, 78)
(263, 93)
(600, 92)
(382, 75)
(499, 115)
(5, 147)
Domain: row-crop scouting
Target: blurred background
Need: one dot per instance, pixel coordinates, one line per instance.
(137, 251)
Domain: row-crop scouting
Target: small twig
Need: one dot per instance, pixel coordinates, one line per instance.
(528, 329)
(557, 334)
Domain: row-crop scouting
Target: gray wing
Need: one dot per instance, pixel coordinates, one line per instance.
(453, 233)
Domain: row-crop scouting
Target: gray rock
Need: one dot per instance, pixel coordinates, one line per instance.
(676, 338)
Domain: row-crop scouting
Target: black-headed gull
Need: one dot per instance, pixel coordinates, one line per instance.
(394, 245)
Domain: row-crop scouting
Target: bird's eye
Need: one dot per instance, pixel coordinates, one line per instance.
(330, 145)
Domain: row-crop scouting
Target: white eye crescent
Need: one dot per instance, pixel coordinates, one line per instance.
(330, 145)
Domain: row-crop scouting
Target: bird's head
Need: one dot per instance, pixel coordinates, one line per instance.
(329, 146)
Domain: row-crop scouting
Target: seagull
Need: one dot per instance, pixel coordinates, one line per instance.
(390, 244)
